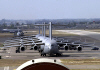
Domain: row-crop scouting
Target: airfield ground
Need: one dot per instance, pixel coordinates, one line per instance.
(86, 60)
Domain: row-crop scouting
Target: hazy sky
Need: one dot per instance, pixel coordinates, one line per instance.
(49, 9)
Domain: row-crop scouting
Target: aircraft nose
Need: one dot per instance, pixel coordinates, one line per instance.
(50, 49)
(53, 49)
(47, 49)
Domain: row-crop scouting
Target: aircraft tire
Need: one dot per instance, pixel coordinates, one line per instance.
(39, 50)
(58, 54)
(16, 51)
(45, 54)
(19, 51)
(41, 54)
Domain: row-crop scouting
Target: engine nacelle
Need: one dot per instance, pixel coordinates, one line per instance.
(22, 48)
(79, 48)
(66, 47)
(35, 47)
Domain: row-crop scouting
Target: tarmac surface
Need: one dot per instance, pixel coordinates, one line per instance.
(86, 53)
(90, 67)
(95, 35)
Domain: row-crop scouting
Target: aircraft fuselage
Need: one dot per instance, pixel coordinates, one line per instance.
(50, 46)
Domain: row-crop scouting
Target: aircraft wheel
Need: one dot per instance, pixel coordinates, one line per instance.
(51, 54)
(31, 49)
(19, 51)
(45, 54)
(39, 50)
(16, 51)
(41, 54)
(58, 54)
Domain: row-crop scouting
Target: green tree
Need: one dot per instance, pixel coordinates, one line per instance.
(17, 24)
(4, 25)
(11, 25)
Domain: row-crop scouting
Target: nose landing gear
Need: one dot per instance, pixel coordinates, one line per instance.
(58, 54)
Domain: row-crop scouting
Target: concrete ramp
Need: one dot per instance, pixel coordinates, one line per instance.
(94, 35)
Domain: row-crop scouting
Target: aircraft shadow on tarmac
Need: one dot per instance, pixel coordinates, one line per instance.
(68, 56)
(32, 52)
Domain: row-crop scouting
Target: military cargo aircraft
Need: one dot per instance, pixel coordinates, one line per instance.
(17, 32)
(45, 45)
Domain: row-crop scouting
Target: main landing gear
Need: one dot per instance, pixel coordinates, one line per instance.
(18, 50)
(43, 54)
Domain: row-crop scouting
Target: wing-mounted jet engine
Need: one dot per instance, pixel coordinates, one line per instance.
(35, 47)
(79, 48)
(22, 48)
(66, 47)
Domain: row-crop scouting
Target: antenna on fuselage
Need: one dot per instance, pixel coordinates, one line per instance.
(50, 30)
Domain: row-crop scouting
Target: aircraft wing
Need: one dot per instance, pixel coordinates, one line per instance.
(32, 42)
(11, 41)
(19, 40)
(83, 45)
(63, 43)
(34, 38)
(87, 45)
(2, 48)
(29, 44)
(30, 39)
(23, 41)
(59, 43)
(75, 43)
(32, 35)
(12, 46)
(39, 43)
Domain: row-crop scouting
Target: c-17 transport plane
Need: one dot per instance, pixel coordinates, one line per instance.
(45, 45)
(17, 32)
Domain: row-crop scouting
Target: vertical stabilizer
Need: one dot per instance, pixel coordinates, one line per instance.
(44, 29)
(18, 29)
(50, 30)
(39, 29)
